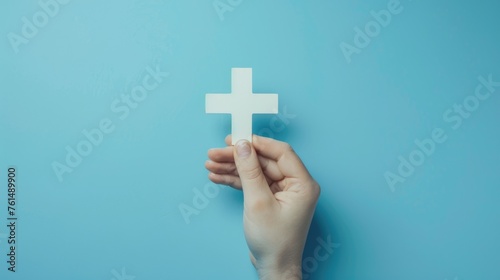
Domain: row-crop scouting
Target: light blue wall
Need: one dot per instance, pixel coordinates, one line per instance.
(349, 121)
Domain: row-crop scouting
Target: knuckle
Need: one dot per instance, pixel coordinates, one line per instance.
(312, 190)
(287, 151)
(287, 148)
(316, 190)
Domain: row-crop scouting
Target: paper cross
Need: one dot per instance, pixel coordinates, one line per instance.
(241, 103)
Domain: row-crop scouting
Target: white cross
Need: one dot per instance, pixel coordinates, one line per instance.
(241, 104)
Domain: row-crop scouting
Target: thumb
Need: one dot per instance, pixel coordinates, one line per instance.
(253, 181)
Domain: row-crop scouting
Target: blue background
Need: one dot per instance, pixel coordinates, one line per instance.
(119, 208)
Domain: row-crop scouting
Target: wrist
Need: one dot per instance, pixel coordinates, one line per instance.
(290, 270)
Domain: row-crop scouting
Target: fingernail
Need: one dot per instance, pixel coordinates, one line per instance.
(243, 148)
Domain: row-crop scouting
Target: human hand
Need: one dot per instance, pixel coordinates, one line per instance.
(279, 201)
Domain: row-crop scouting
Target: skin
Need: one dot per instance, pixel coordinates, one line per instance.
(280, 197)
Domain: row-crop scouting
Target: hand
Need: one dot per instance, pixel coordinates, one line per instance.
(279, 201)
